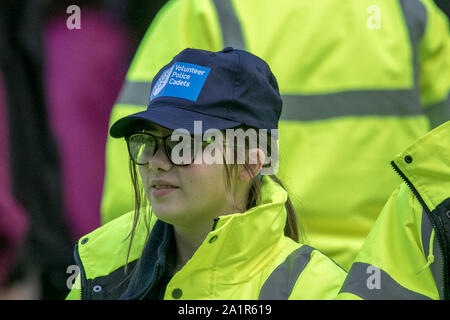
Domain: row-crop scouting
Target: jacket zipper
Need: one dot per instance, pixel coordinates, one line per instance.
(434, 223)
(83, 283)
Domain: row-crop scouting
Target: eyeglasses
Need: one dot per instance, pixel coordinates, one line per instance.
(143, 146)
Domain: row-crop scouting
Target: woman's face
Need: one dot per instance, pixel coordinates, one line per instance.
(188, 196)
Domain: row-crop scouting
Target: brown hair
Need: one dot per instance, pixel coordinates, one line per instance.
(291, 227)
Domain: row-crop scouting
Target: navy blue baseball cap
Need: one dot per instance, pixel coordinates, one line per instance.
(222, 89)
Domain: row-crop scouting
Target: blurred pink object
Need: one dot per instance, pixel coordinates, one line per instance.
(84, 71)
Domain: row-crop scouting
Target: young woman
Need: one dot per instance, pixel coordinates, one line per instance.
(219, 224)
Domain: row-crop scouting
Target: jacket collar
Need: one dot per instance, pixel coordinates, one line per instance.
(426, 165)
(234, 244)
(153, 262)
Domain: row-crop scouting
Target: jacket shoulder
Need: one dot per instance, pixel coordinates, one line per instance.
(321, 279)
(304, 274)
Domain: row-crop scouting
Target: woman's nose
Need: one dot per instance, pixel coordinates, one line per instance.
(159, 161)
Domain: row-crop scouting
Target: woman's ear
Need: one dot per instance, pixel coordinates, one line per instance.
(256, 158)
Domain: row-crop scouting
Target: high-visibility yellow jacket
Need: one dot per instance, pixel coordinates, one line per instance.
(407, 253)
(245, 256)
(358, 79)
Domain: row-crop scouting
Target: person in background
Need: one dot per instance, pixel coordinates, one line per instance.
(360, 81)
(406, 254)
(33, 157)
(54, 76)
(13, 219)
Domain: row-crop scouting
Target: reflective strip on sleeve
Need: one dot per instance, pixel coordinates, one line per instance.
(280, 283)
(229, 24)
(371, 283)
(416, 19)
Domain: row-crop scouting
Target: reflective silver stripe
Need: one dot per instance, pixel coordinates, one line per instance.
(438, 113)
(134, 93)
(415, 15)
(416, 18)
(280, 283)
(229, 24)
(372, 283)
(351, 103)
(436, 266)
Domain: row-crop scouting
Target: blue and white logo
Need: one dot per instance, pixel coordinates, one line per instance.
(162, 81)
(182, 80)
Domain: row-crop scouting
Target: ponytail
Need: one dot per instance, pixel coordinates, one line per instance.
(291, 227)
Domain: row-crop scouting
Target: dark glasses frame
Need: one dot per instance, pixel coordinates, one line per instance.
(164, 141)
(168, 149)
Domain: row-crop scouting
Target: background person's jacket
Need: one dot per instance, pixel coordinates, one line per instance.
(360, 81)
(245, 256)
(407, 253)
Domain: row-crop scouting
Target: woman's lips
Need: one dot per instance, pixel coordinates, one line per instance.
(158, 192)
(160, 188)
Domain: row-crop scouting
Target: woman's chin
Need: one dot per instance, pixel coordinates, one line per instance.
(166, 214)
